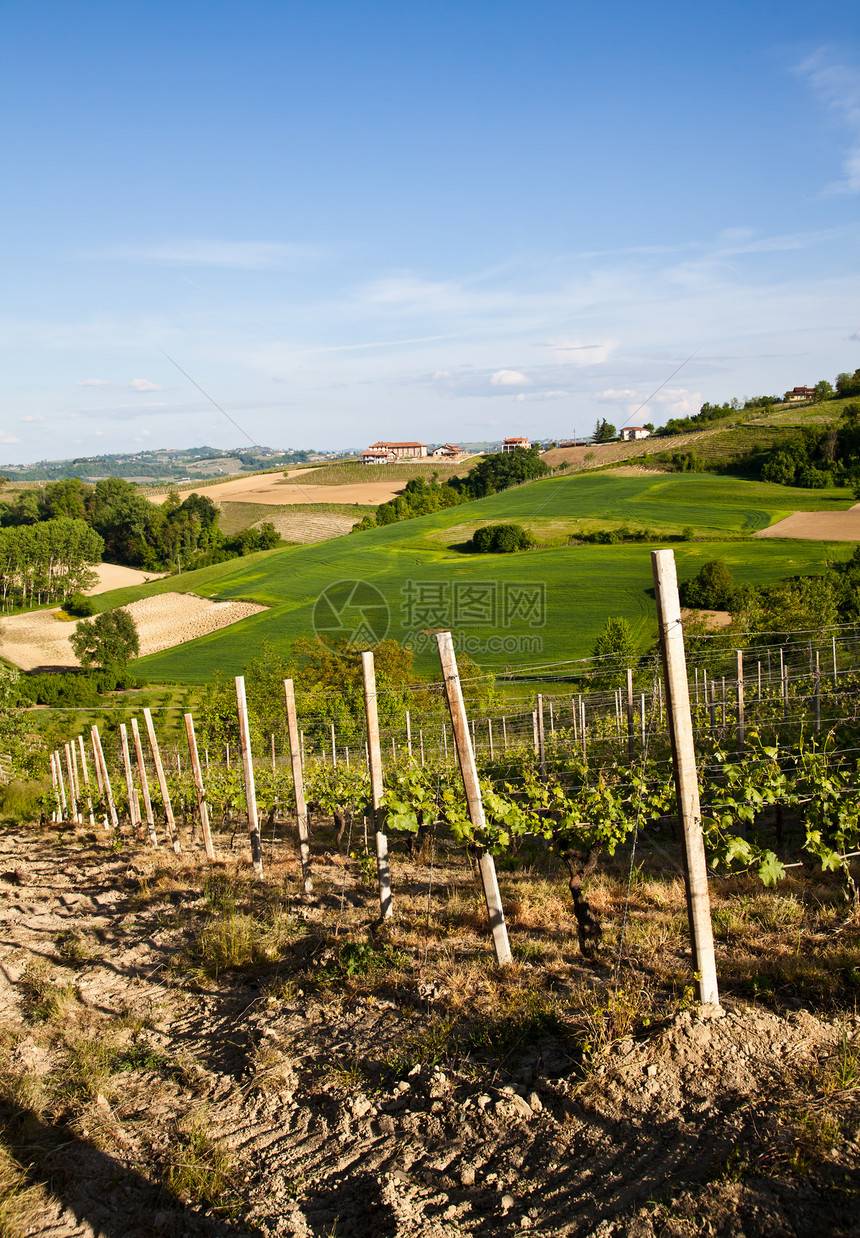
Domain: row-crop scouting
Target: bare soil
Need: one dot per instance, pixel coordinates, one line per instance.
(148, 1088)
(817, 526)
(40, 639)
(275, 488)
(114, 576)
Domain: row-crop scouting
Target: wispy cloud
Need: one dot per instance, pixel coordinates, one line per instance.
(32, 417)
(136, 384)
(8, 438)
(540, 395)
(242, 255)
(509, 378)
(672, 401)
(837, 86)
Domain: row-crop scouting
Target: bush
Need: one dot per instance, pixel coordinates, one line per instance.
(80, 605)
(501, 539)
(712, 589)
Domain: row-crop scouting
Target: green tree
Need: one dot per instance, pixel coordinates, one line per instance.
(604, 432)
(711, 589)
(616, 649)
(824, 390)
(108, 641)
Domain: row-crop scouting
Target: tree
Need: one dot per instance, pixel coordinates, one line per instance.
(712, 589)
(108, 641)
(604, 432)
(616, 650)
(499, 471)
(501, 539)
(823, 390)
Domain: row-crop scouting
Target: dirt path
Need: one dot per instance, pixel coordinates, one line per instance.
(340, 1107)
(39, 640)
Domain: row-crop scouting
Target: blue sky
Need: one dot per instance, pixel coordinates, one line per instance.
(401, 220)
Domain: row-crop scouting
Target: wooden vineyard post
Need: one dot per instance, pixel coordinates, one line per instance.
(106, 787)
(273, 753)
(642, 705)
(472, 786)
(631, 718)
(421, 742)
(99, 783)
(784, 675)
(144, 782)
(408, 735)
(816, 692)
(55, 814)
(382, 868)
(197, 773)
(541, 738)
(504, 733)
(835, 672)
(582, 731)
(334, 746)
(680, 725)
(551, 720)
(248, 768)
(73, 794)
(490, 738)
(535, 736)
(162, 781)
(64, 812)
(79, 793)
(133, 818)
(740, 677)
(85, 773)
(299, 786)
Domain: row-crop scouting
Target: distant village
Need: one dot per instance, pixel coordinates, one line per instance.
(389, 453)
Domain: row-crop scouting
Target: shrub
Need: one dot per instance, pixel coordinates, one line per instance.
(501, 539)
(80, 605)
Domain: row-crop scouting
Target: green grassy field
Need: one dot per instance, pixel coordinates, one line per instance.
(507, 610)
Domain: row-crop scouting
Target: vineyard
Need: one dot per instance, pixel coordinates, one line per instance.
(348, 964)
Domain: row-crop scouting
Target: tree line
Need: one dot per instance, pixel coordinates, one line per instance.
(47, 562)
(132, 531)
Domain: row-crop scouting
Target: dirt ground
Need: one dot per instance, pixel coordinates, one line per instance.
(39, 640)
(297, 488)
(818, 526)
(185, 1053)
(307, 527)
(113, 576)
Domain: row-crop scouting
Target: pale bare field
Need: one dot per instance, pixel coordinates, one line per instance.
(308, 527)
(275, 488)
(40, 639)
(817, 526)
(112, 576)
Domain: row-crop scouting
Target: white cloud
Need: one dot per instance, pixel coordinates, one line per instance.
(672, 401)
(8, 438)
(540, 395)
(838, 88)
(509, 378)
(243, 255)
(855, 335)
(32, 417)
(575, 352)
(136, 384)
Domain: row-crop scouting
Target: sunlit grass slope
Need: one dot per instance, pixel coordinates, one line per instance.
(409, 563)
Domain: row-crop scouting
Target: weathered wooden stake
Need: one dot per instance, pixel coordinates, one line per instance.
(299, 784)
(540, 736)
(686, 779)
(740, 677)
(73, 795)
(106, 787)
(631, 718)
(835, 673)
(535, 735)
(273, 753)
(134, 821)
(202, 806)
(421, 742)
(408, 735)
(472, 786)
(64, 812)
(79, 794)
(162, 782)
(86, 777)
(333, 745)
(582, 731)
(490, 738)
(248, 770)
(505, 733)
(642, 704)
(376, 788)
(144, 783)
(816, 690)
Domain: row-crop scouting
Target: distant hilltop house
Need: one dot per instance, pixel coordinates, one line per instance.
(799, 393)
(448, 451)
(514, 444)
(631, 433)
(385, 453)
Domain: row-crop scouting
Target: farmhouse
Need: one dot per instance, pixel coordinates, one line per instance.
(377, 455)
(799, 393)
(449, 451)
(630, 434)
(513, 444)
(395, 451)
